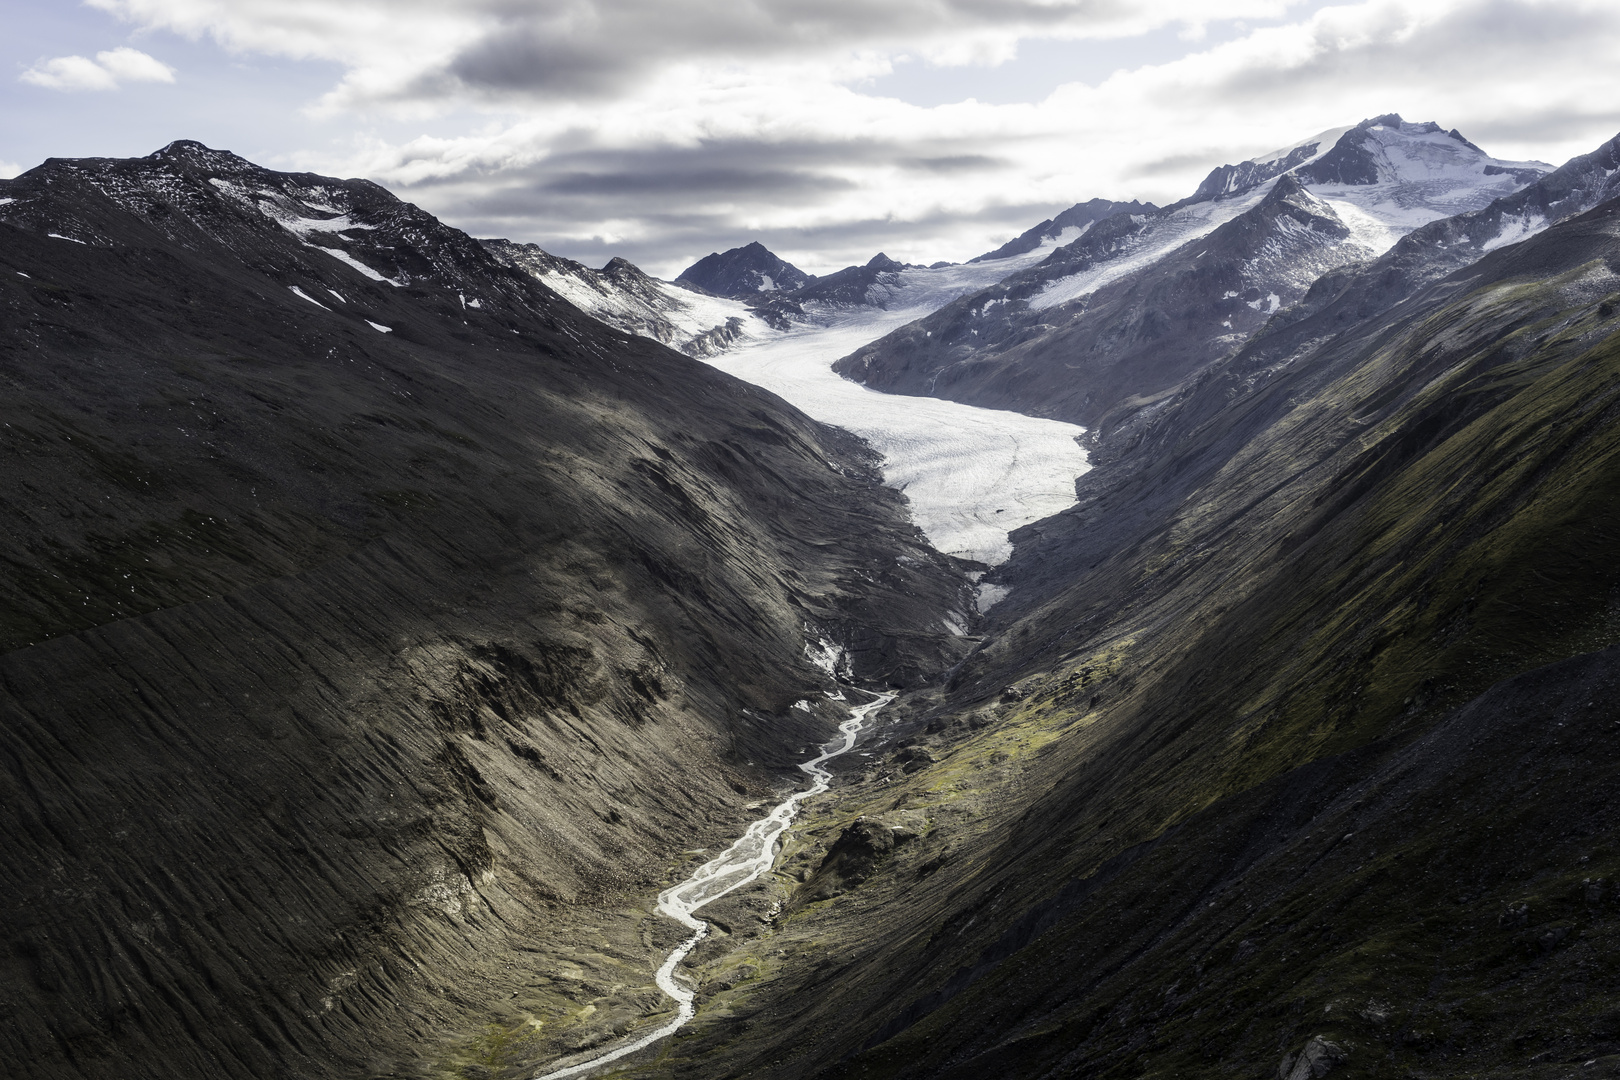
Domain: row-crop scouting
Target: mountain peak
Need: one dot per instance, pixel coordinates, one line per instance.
(1387, 120)
(189, 150)
(1386, 148)
(744, 271)
(1288, 186)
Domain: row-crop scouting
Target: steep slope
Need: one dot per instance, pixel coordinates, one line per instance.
(1137, 336)
(1065, 228)
(1031, 342)
(380, 632)
(625, 298)
(744, 272)
(1294, 740)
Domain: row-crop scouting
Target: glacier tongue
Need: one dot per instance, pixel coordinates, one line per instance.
(972, 475)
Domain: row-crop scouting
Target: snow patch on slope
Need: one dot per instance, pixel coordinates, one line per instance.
(302, 295)
(1515, 229)
(344, 256)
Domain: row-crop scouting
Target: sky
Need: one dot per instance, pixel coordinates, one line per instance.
(829, 130)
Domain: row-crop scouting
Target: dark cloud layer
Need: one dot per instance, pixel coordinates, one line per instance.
(568, 48)
(591, 183)
(674, 239)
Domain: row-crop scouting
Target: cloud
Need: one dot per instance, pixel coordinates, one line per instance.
(9, 169)
(659, 129)
(506, 50)
(105, 72)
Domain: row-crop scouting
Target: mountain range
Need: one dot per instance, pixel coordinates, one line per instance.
(390, 615)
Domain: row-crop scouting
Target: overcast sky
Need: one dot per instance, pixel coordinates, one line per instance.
(662, 130)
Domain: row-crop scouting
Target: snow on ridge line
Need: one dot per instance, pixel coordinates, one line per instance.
(1181, 227)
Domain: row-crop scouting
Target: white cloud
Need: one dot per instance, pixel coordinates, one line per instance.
(662, 129)
(105, 72)
(132, 65)
(8, 169)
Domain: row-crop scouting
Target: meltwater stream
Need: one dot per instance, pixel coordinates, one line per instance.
(741, 863)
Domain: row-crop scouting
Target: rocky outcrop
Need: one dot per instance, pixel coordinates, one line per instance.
(1318, 1058)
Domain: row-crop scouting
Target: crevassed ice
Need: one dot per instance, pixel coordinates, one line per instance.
(971, 475)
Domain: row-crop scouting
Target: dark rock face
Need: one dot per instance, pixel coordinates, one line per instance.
(744, 272)
(1078, 216)
(373, 620)
(1226, 179)
(1352, 160)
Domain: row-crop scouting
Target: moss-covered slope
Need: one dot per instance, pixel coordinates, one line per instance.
(1301, 725)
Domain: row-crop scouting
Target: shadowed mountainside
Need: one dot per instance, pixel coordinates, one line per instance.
(379, 631)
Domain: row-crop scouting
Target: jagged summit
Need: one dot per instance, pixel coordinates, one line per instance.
(744, 271)
(1381, 150)
(1226, 179)
(1385, 149)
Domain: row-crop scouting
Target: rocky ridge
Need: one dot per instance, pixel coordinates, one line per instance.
(1064, 337)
